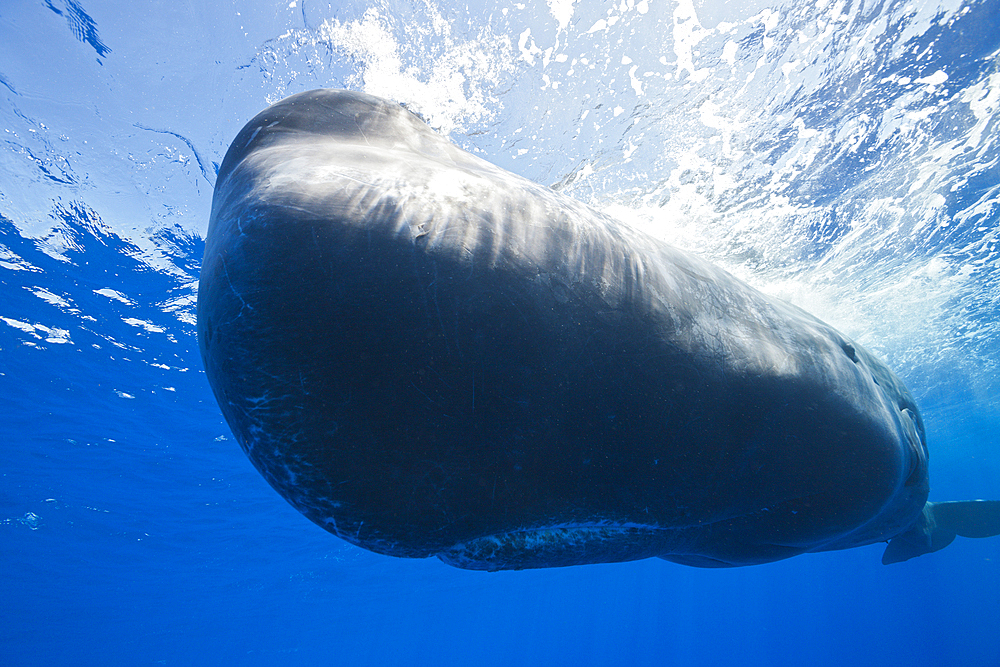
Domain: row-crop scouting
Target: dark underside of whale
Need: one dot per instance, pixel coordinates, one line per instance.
(429, 356)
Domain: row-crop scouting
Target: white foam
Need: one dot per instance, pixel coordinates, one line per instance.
(449, 82)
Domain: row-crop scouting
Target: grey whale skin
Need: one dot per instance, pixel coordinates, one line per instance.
(429, 356)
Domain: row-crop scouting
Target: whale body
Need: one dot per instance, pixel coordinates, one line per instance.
(427, 355)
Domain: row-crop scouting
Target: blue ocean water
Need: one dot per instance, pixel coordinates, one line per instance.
(842, 155)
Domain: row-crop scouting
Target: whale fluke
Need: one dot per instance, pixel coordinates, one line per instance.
(941, 523)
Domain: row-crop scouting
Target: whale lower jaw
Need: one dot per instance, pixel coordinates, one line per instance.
(559, 546)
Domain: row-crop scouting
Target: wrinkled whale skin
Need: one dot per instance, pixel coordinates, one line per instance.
(429, 356)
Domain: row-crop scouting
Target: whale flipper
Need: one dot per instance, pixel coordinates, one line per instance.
(940, 524)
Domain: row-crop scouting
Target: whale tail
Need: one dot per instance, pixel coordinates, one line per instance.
(940, 524)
